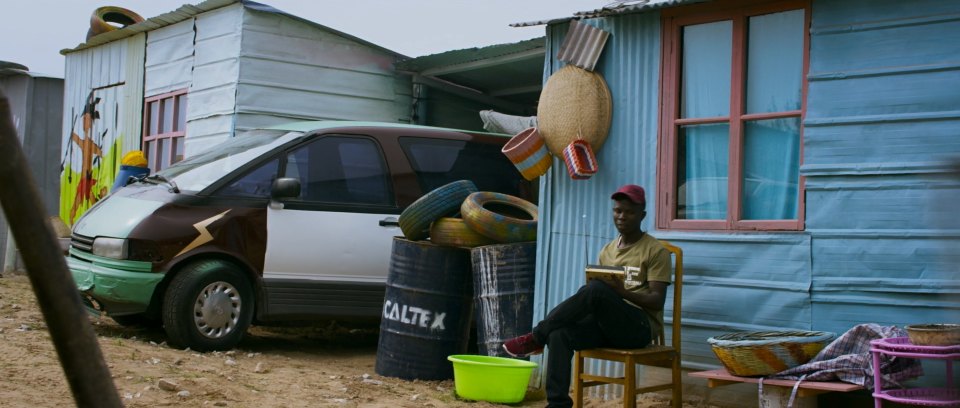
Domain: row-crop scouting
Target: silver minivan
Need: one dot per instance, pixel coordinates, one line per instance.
(292, 223)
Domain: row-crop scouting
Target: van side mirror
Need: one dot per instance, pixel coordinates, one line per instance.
(285, 187)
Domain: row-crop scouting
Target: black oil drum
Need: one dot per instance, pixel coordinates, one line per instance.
(503, 281)
(426, 310)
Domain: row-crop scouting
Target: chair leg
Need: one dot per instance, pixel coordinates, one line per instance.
(677, 383)
(577, 380)
(630, 383)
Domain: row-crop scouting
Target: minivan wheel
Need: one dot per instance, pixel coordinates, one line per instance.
(208, 306)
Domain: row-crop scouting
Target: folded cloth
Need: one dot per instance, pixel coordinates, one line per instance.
(848, 359)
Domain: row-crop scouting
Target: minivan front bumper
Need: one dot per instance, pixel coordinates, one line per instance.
(116, 287)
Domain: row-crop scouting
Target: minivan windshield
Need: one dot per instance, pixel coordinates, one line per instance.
(201, 170)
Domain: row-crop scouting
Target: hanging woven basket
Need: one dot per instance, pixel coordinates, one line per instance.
(580, 161)
(528, 152)
(574, 101)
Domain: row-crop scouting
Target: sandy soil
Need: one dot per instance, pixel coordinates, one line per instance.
(329, 366)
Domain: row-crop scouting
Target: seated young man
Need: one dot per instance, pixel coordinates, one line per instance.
(604, 312)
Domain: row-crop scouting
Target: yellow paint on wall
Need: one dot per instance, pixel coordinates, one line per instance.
(104, 174)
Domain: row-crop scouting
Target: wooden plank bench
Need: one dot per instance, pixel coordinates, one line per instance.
(777, 392)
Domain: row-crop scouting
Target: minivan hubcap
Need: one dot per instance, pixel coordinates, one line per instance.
(217, 310)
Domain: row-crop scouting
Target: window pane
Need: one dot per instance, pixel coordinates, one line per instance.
(181, 124)
(151, 154)
(255, 183)
(438, 162)
(341, 170)
(707, 57)
(702, 172)
(154, 109)
(164, 153)
(775, 62)
(177, 149)
(771, 169)
(364, 172)
(167, 115)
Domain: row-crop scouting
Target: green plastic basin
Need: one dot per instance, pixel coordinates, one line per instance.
(492, 379)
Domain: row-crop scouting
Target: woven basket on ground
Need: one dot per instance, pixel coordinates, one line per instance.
(769, 352)
(574, 102)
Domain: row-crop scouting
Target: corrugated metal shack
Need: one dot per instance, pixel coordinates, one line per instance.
(36, 101)
(216, 68)
(869, 234)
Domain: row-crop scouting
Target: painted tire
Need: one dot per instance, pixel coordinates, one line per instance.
(454, 232)
(102, 17)
(443, 201)
(208, 306)
(501, 217)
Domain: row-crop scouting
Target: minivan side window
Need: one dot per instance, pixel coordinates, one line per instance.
(339, 169)
(256, 183)
(438, 162)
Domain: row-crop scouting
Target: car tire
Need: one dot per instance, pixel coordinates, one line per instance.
(448, 231)
(443, 201)
(501, 217)
(208, 306)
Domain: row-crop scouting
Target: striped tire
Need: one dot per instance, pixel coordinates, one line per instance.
(454, 232)
(500, 217)
(443, 201)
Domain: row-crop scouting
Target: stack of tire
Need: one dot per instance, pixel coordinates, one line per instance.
(485, 217)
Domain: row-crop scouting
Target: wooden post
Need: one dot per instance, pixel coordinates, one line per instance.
(56, 292)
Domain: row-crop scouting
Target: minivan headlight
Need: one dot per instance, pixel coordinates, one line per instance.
(110, 247)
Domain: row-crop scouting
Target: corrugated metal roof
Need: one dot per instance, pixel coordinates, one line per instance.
(621, 7)
(188, 11)
(582, 45)
(467, 55)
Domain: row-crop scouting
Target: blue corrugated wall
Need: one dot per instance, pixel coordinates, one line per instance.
(882, 236)
(883, 122)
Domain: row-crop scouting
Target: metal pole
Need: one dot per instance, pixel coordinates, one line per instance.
(56, 292)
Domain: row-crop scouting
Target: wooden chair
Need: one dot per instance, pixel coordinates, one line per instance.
(657, 354)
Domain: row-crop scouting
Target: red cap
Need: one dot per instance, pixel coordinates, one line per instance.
(631, 192)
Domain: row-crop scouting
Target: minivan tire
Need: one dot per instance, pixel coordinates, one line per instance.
(208, 306)
(443, 201)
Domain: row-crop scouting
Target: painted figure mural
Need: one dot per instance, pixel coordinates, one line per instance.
(89, 155)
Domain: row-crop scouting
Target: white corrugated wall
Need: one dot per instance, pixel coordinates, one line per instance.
(291, 70)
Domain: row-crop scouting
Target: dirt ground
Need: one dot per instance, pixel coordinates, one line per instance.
(330, 366)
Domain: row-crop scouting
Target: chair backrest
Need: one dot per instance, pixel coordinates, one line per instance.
(677, 295)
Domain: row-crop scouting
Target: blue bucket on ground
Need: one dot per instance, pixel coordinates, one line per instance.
(503, 281)
(426, 310)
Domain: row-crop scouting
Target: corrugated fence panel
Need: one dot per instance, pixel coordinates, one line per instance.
(576, 214)
(337, 78)
(213, 90)
(880, 125)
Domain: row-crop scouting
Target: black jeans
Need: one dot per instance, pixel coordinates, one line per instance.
(595, 316)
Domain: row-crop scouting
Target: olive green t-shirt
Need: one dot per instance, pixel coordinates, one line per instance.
(654, 263)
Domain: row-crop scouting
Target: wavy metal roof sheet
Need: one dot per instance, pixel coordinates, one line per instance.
(188, 11)
(621, 7)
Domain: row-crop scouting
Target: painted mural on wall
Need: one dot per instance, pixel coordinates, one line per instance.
(90, 154)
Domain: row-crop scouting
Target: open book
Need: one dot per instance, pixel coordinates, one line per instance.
(631, 274)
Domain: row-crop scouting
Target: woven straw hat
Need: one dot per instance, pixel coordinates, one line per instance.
(574, 101)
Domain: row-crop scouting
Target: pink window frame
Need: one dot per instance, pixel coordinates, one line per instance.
(169, 136)
(673, 21)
